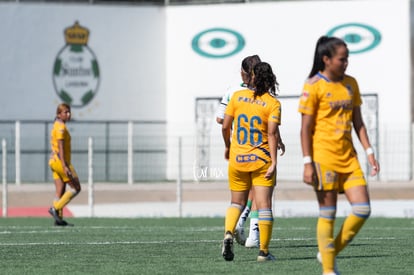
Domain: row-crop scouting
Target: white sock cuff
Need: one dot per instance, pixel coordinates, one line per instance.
(236, 205)
(328, 212)
(362, 210)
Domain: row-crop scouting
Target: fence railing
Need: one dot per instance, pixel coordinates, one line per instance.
(136, 151)
(123, 150)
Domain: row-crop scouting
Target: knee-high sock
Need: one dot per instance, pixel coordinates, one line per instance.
(60, 212)
(324, 231)
(64, 200)
(244, 214)
(265, 228)
(351, 226)
(232, 215)
(254, 225)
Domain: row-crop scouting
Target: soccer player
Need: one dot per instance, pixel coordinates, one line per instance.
(330, 106)
(252, 155)
(60, 163)
(252, 240)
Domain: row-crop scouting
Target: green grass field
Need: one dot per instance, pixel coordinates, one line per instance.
(191, 246)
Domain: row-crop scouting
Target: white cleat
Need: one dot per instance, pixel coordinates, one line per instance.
(319, 258)
(252, 243)
(239, 235)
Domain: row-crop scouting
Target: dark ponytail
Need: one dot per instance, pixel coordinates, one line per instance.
(325, 46)
(264, 79)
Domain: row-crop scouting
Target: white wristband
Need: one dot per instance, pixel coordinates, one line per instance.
(369, 151)
(307, 159)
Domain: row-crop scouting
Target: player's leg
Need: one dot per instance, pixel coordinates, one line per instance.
(233, 212)
(75, 188)
(59, 187)
(357, 194)
(265, 222)
(60, 212)
(239, 231)
(253, 240)
(63, 196)
(263, 193)
(325, 229)
(326, 190)
(57, 173)
(239, 185)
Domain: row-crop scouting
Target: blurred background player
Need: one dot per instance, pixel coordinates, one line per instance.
(252, 155)
(252, 240)
(330, 106)
(60, 164)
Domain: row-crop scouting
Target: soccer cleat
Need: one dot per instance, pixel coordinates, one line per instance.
(252, 243)
(227, 250)
(263, 257)
(239, 235)
(60, 213)
(55, 215)
(63, 223)
(319, 258)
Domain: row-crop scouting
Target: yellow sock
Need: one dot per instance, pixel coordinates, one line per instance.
(65, 199)
(55, 202)
(232, 216)
(326, 243)
(60, 212)
(265, 228)
(349, 229)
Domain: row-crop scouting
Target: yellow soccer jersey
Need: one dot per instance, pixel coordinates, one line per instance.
(60, 132)
(332, 103)
(249, 145)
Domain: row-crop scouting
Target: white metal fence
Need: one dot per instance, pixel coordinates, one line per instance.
(140, 151)
(124, 151)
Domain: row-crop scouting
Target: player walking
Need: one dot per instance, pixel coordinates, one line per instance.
(330, 106)
(60, 163)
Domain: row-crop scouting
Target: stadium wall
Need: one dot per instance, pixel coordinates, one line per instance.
(210, 49)
(153, 63)
(127, 43)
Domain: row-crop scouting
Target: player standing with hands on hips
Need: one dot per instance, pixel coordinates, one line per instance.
(330, 107)
(252, 155)
(60, 164)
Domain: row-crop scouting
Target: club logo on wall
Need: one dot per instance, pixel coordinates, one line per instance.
(359, 37)
(76, 70)
(217, 43)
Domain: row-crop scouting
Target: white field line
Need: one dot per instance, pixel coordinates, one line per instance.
(6, 230)
(282, 208)
(163, 242)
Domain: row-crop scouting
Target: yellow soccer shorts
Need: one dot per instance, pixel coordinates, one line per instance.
(242, 180)
(58, 172)
(328, 179)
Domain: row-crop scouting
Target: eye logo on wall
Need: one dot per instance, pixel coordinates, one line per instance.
(218, 43)
(76, 71)
(359, 37)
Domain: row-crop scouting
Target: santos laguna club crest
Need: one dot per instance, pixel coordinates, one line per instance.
(76, 71)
